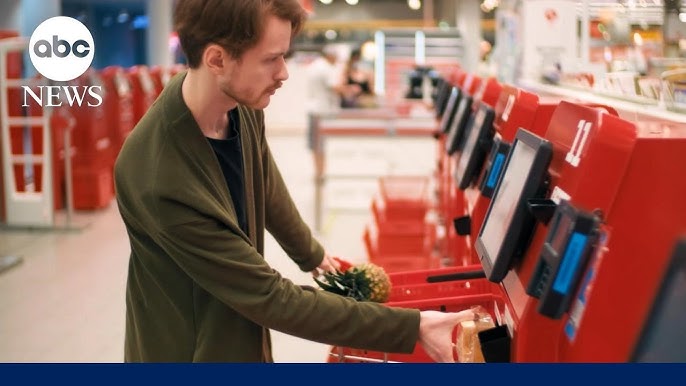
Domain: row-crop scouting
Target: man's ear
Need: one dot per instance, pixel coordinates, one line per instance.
(215, 58)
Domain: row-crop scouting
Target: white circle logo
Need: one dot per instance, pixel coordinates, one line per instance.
(61, 48)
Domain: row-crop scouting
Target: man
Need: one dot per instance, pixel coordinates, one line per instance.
(324, 86)
(197, 186)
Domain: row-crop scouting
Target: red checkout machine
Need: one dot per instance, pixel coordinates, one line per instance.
(471, 118)
(482, 149)
(578, 233)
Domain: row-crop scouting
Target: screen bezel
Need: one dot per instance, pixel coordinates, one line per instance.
(521, 225)
(455, 137)
(450, 107)
(475, 158)
(442, 95)
(499, 147)
(643, 350)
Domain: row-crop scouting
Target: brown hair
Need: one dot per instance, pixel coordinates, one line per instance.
(236, 25)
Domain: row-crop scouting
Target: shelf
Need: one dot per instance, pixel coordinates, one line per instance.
(650, 110)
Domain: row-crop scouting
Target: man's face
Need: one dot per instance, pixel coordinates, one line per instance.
(261, 70)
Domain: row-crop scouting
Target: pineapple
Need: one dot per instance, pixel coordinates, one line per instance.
(364, 282)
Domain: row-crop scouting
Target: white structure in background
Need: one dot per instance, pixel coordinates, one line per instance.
(27, 206)
(549, 37)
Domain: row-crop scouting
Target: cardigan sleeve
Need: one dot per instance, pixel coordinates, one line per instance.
(283, 220)
(230, 269)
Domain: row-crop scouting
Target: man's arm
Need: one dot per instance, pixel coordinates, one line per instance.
(283, 220)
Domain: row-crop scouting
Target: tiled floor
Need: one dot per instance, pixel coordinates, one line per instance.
(65, 301)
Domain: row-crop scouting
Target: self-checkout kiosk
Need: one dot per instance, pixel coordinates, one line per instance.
(514, 108)
(472, 131)
(458, 115)
(636, 237)
(441, 96)
(578, 231)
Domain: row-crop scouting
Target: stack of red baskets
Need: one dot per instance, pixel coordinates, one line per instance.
(400, 238)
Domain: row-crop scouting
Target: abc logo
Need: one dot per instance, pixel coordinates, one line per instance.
(61, 48)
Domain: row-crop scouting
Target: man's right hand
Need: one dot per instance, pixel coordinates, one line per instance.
(435, 332)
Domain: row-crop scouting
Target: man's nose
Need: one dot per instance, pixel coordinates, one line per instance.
(283, 71)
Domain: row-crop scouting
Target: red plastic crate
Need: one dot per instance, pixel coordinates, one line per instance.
(388, 243)
(118, 105)
(403, 197)
(383, 246)
(94, 157)
(406, 226)
(92, 188)
(480, 292)
(143, 90)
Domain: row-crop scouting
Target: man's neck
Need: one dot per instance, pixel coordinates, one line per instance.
(207, 104)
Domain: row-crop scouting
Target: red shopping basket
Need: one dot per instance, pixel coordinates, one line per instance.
(448, 296)
(398, 254)
(403, 197)
(438, 283)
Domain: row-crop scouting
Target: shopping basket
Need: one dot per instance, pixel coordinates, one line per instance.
(418, 290)
(403, 252)
(403, 197)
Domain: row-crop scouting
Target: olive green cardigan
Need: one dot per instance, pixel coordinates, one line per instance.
(198, 287)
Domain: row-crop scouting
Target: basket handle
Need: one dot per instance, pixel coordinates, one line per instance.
(479, 274)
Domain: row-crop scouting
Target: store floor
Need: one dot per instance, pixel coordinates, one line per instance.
(65, 301)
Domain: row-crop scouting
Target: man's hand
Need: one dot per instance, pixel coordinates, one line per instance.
(435, 332)
(328, 264)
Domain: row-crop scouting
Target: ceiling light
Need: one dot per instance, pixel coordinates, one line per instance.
(330, 34)
(489, 5)
(414, 4)
(325, 1)
(352, 2)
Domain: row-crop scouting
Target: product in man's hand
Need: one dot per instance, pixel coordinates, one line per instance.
(467, 344)
(364, 282)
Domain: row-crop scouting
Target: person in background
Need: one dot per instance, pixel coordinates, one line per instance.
(324, 90)
(197, 187)
(323, 83)
(358, 83)
(486, 67)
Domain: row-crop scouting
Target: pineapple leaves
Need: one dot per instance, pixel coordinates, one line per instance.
(366, 282)
(352, 283)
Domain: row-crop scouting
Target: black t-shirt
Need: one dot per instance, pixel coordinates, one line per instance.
(230, 156)
(364, 85)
